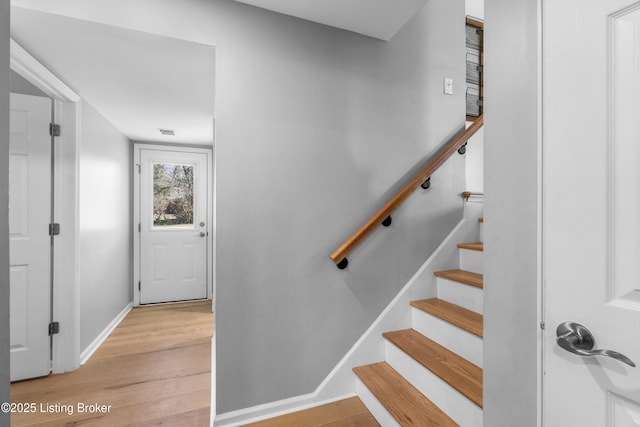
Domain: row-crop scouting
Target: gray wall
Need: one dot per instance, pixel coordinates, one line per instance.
(315, 129)
(4, 208)
(512, 174)
(105, 223)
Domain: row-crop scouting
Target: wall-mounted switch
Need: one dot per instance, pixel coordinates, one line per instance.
(448, 86)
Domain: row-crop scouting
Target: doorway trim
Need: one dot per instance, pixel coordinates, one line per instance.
(137, 147)
(66, 297)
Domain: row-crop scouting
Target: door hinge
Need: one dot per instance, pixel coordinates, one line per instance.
(139, 285)
(54, 328)
(54, 129)
(542, 325)
(54, 229)
(139, 227)
(139, 168)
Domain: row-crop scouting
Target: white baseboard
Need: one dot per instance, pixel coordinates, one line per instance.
(96, 343)
(273, 409)
(370, 348)
(341, 382)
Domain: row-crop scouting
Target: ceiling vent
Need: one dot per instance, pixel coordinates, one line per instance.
(167, 132)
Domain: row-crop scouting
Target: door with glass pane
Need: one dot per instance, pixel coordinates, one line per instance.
(173, 225)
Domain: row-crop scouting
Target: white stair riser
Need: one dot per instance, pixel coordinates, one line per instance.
(471, 260)
(465, 344)
(374, 406)
(449, 400)
(460, 294)
(482, 232)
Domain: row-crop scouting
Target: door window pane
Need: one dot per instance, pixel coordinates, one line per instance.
(172, 195)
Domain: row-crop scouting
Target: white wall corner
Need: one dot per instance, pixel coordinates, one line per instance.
(474, 207)
(37, 74)
(474, 8)
(66, 347)
(96, 343)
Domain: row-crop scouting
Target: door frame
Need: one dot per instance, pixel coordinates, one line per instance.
(66, 297)
(137, 148)
(514, 224)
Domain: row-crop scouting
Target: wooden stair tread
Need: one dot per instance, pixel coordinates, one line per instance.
(465, 319)
(403, 401)
(477, 246)
(462, 276)
(480, 219)
(347, 412)
(459, 373)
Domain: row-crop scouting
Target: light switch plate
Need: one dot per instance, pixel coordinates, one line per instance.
(448, 86)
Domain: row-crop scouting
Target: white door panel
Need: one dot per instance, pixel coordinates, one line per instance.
(591, 207)
(29, 218)
(624, 413)
(174, 225)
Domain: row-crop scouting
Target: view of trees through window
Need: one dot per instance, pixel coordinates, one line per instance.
(172, 195)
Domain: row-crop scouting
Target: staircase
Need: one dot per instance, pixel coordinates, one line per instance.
(432, 373)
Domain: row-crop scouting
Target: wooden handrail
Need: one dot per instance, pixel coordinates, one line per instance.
(339, 256)
(467, 194)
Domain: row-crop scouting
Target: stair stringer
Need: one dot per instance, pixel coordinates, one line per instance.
(371, 348)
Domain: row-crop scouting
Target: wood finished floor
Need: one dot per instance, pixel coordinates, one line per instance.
(344, 413)
(154, 369)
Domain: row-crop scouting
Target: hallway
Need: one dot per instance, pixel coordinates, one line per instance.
(154, 369)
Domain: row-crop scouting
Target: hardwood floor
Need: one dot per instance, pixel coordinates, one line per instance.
(344, 413)
(154, 369)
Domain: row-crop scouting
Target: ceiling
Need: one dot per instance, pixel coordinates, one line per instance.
(381, 19)
(143, 82)
(139, 81)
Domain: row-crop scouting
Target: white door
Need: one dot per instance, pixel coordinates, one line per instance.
(591, 210)
(173, 225)
(30, 243)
